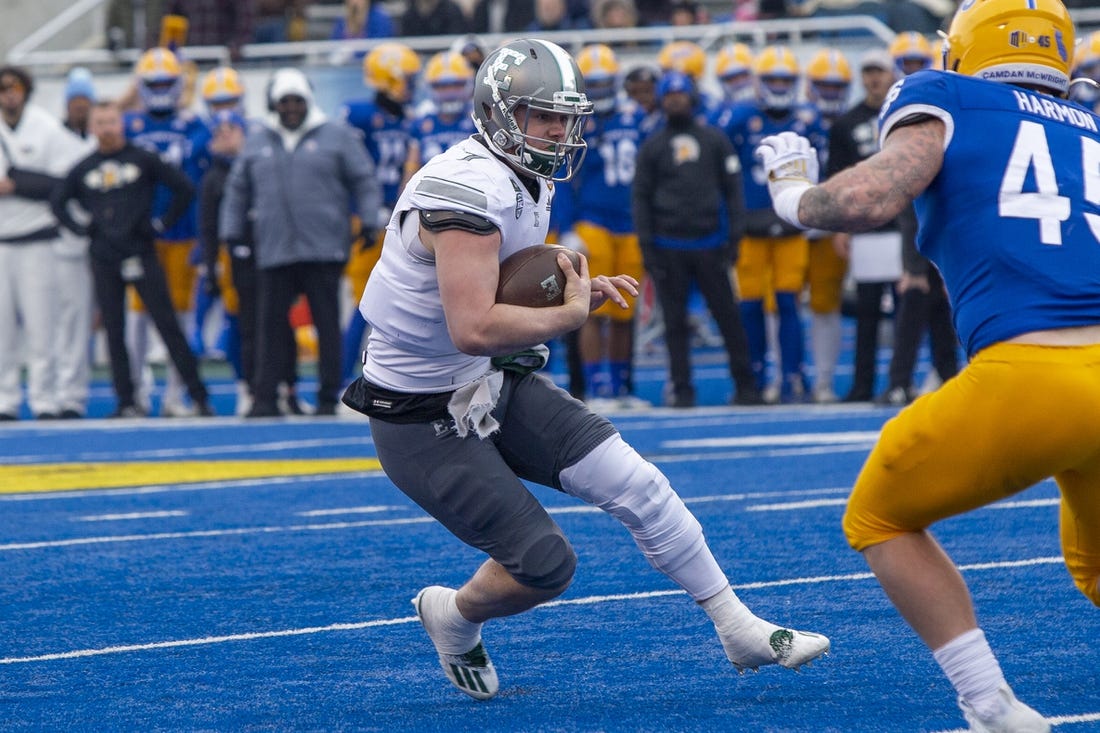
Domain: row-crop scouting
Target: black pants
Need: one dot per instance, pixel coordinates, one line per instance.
(917, 311)
(110, 293)
(246, 282)
(278, 287)
(673, 271)
(868, 316)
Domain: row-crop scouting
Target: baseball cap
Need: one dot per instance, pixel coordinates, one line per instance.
(79, 84)
(876, 58)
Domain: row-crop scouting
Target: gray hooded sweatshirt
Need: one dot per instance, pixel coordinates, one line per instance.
(290, 193)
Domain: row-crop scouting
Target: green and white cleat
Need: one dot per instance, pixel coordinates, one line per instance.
(789, 648)
(472, 672)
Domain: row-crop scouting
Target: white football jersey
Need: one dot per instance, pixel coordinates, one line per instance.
(409, 348)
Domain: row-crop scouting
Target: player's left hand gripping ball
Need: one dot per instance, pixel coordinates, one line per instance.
(792, 167)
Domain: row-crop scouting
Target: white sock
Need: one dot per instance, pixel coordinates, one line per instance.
(825, 345)
(745, 636)
(969, 663)
(458, 635)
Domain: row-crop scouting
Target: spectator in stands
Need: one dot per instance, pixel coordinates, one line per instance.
(319, 167)
(433, 18)
(216, 23)
(687, 12)
(35, 151)
(614, 14)
(924, 16)
(362, 19)
(75, 300)
(280, 21)
(553, 15)
(121, 32)
(502, 16)
(830, 8)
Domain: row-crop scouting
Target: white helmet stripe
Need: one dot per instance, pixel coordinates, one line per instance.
(565, 66)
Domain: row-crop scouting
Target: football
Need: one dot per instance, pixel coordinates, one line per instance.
(531, 277)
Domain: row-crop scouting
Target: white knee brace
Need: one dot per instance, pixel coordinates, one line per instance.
(616, 479)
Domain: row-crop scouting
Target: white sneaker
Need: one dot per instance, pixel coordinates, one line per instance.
(824, 395)
(472, 672)
(788, 648)
(1014, 718)
(244, 399)
(771, 394)
(176, 408)
(632, 402)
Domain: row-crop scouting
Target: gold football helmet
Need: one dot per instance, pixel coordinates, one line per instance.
(828, 81)
(391, 68)
(222, 89)
(600, 68)
(1012, 41)
(685, 56)
(777, 72)
(912, 52)
(450, 80)
(733, 67)
(159, 79)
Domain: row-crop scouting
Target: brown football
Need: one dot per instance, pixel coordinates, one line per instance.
(531, 277)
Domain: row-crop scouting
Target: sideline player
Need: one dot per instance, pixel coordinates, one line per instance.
(599, 215)
(180, 138)
(774, 256)
(1006, 175)
(391, 69)
(457, 434)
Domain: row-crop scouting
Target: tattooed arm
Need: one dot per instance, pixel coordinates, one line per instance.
(875, 191)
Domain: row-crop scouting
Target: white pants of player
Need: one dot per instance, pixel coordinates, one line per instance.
(73, 324)
(28, 296)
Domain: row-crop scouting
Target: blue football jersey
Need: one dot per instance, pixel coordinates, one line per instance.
(387, 139)
(601, 189)
(1013, 218)
(181, 140)
(746, 124)
(435, 133)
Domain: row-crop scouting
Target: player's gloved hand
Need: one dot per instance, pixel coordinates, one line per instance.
(792, 167)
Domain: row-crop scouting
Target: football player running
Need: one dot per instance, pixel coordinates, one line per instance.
(1005, 177)
(457, 431)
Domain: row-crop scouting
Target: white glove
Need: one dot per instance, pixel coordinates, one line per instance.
(792, 167)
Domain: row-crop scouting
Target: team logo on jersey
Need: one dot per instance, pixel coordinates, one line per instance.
(685, 149)
(110, 175)
(756, 124)
(519, 199)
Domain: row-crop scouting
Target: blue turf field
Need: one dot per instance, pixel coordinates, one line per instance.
(283, 603)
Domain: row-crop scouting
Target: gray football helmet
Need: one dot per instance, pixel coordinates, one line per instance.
(539, 75)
